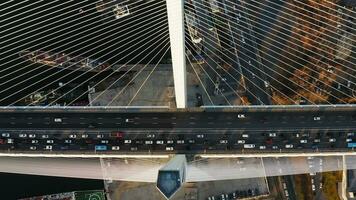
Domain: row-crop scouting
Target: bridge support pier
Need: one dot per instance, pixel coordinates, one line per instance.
(175, 12)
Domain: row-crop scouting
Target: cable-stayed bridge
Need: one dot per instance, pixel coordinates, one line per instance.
(124, 77)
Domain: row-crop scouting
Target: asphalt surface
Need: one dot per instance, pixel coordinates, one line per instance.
(187, 132)
(260, 120)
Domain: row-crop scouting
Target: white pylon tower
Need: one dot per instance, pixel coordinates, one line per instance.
(175, 12)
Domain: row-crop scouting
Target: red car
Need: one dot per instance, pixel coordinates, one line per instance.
(2, 141)
(118, 134)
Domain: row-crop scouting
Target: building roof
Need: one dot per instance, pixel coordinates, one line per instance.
(351, 3)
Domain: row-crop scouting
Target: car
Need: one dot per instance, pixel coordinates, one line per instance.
(223, 141)
(151, 135)
(180, 141)
(249, 146)
(58, 120)
(262, 147)
(159, 142)
(289, 146)
(272, 134)
(85, 135)
(22, 135)
(148, 142)
(48, 147)
(191, 141)
(127, 141)
(317, 140)
(169, 149)
(275, 147)
(240, 141)
(34, 141)
(200, 136)
(32, 135)
(303, 141)
(348, 139)
(133, 148)
(101, 148)
(49, 141)
(211, 198)
(313, 187)
(284, 186)
(317, 118)
(6, 135)
(118, 134)
(104, 141)
(99, 136)
(2, 141)
(68, 141)
(10, 141)
(332, 140)
(33, 148)
(170, 141)
(129, 120)
(241, 116)
(72, 136)
(44, 136)
(245, 135)
(115, 148)
(266, 84)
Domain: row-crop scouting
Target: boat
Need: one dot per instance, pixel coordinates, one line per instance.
(62, 60)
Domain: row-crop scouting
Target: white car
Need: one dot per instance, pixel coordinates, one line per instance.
(169, 149)
(266, 84)
(128, 120)
(5, 135)
(32, 135)
(49, 141)
(240, 141)
(115, 148)
(100, 136)
(241, 116)
(170, 141)
(223, 141)
(104, 141)
(272, 134)
(48, 147)
(58, 120)
(249, 146)
(34, 141)
(33, 147)
(68, 141)
(245, 135)
(73, 136)
(317, 118)
(45, 136)
(303, 141)
(127, 141)
(348, 139)
(148, 142)
(332, 140)
(159, 142)
(85, 136)
(316, 140)
(22, 135)
(200, 136)
(262, 147)
(10, 141)
(289, 146)
(180, 141)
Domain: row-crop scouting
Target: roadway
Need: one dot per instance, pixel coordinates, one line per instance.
(184, 132)
(258, 120)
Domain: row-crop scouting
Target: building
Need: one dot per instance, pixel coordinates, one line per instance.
(172, 176)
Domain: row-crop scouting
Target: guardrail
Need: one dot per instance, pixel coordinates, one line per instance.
(168, 109)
